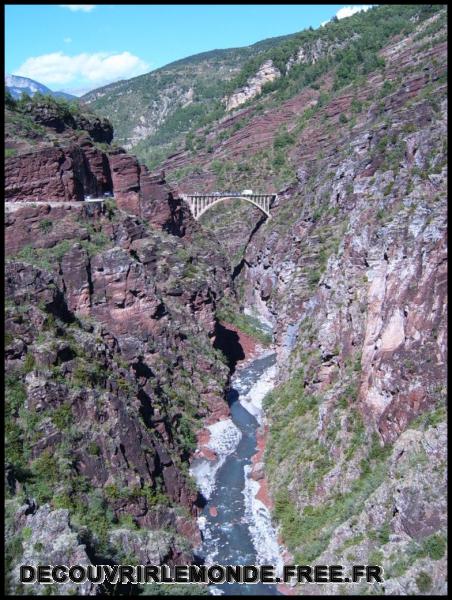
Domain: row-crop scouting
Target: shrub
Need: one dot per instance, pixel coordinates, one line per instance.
(87, 374)
(424, 582)
(9, 338)
(62, 417)
(45, 225)
(13, 550)
(356, 106)
(185, 430)
(279, 160)
(383, 534)
(110, 207)
(93, 449)
(435, 546)
(388, 189)
(127, 521)
(376, 557)
(29, 363)
(314, 278)
(283, 139)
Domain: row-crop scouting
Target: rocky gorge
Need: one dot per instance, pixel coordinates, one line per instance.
(125, 319)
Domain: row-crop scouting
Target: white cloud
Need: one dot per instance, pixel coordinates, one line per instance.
(95, 69)
(348, 11)
(81, 7)
(67, 40)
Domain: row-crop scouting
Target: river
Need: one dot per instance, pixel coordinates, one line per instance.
(236, 527)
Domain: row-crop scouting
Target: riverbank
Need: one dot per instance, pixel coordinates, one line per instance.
(252, 349)
(257, 473)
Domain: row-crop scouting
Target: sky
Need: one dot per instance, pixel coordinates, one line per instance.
(79, 47)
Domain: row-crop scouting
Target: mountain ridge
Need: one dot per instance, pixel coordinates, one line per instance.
(18, 85)
(153, 113)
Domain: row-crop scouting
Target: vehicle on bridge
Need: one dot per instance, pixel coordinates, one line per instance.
(247, 192)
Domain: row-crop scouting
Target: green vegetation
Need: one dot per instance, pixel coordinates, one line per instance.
(62, 417)
(29, 363)
(210, 77)
(307, 524)
(46, 258)
(431, 418)
(228, 313)
(424, 582)
(88, 374)
(434, 546)
(16, 449)
(283, 139)
(13, 549)
(110, 207)
(63, 108)
(154, 589)
(21, 125)
(50, 258)
(93, 449)
(45, 225)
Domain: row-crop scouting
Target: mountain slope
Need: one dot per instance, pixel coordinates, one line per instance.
(154, 113)
(273, 142)
(17, 86)
(350, 271)
(110, 364)
(183, 92)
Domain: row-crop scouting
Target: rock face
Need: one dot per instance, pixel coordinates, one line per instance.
(351, 270)
(110, 330)
(50, 540)
(57, 174)
(50, 115)
(72, 173)
(111, 323)
(266, 73)
(145, 195)
(311, 53)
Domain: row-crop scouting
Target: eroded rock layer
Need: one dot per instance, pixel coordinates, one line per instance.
(113, 308)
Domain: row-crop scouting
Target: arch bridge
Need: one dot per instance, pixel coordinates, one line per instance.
(200, 203)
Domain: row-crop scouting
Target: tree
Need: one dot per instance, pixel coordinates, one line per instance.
(9, 100)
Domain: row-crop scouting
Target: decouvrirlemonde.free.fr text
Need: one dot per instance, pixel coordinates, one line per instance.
(213, 574)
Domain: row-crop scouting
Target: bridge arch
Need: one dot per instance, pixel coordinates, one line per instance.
(200, 203)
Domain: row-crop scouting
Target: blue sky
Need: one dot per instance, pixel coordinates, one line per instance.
(80, 47)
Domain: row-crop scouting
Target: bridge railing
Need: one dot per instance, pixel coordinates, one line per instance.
(225, 194)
